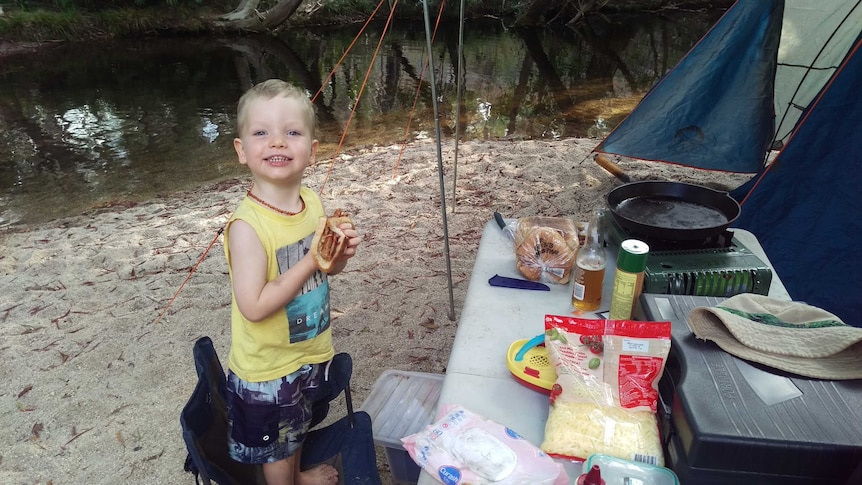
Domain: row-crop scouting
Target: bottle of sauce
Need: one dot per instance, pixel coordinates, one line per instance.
(592, 477)
(628, 279)
(590, 262)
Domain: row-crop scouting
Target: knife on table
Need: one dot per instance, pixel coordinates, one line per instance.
(507, 229)
(506, 282)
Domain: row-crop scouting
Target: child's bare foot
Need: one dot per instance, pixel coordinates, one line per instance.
(320, 475)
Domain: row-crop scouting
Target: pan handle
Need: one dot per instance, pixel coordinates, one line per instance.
(608, 164)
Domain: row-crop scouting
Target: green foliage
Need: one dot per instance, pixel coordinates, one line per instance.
(40, 25)
(36, 20)
(101, 5)
(333, 12)
(43, 25)
(340, 10)
(65, 5)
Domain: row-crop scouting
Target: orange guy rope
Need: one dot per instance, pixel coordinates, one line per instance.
(359, 96)
(332, 72)
(204, 255)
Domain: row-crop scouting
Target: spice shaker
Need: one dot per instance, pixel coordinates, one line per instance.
(628, 278)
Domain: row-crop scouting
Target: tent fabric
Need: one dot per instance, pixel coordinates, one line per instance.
(708, 111)
(783, 74)
(817, 35)
(806, 210)
(742, 88)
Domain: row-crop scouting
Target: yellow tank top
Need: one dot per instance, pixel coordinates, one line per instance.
(299, 334)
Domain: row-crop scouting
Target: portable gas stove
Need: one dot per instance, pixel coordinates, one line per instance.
(716, 266)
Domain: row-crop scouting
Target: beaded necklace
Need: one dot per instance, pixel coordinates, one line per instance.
(272, 207)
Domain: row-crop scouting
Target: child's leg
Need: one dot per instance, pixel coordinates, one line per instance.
(319, 475)
(268, 422)
(280, 472)
(286, 472)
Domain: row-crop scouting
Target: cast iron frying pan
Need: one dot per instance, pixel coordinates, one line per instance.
(672, 210)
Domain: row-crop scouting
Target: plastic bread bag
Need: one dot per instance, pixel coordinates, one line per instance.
(545, 248)
(606, 393)
(464, 448)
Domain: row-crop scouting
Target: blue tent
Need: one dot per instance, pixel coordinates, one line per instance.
(781, 74)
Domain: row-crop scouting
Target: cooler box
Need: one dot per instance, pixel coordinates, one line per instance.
(727, 421)
(402, 403)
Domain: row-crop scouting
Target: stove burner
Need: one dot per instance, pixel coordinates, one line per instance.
(719, 241)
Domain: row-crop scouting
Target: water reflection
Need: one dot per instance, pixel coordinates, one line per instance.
(94, 123)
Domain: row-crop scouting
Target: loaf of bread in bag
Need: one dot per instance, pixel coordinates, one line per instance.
(545, 248)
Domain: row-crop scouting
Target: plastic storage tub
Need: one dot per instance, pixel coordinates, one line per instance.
(402, 403)
(616, 471)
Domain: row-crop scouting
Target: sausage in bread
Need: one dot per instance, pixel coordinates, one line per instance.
(329, 240)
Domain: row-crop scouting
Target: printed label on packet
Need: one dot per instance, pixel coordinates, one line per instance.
(637, 375)
(635, 345)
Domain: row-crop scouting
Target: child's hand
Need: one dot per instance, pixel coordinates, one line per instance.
(353, 240)
(350, 248)
(330, 241)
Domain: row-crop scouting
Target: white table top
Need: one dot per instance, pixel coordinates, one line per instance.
(494, 317)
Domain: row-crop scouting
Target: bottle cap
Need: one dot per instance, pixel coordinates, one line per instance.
(592, 477)
(632, 256)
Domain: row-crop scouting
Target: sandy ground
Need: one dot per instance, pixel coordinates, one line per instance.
(93, 381)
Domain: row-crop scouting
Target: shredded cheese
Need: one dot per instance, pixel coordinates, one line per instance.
(605, 396)
(579, 429)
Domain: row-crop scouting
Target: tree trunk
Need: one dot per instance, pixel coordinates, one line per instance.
(247, 18)
(539, 12)
(243, 10)
(586, 7)
(534, 13)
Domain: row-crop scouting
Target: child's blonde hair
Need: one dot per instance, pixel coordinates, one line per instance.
(270, 89)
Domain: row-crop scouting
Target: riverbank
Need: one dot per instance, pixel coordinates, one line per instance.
(94, 380)
(25, 22)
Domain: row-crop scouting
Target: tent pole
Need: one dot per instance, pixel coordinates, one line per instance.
(460, 74)
(439, 160)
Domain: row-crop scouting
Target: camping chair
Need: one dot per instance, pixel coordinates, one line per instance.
(347, 444)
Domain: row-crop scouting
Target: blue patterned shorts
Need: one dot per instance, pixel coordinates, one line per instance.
(268, 421)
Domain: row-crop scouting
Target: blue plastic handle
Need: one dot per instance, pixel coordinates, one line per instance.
(537, 340)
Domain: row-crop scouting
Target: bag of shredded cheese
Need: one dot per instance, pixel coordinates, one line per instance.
(606, 393)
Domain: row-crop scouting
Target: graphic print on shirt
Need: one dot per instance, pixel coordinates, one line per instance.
(308, 312)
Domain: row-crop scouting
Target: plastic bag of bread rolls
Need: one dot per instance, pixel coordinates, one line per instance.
(545, 248)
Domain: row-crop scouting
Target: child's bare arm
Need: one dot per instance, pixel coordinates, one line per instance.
(255, 297)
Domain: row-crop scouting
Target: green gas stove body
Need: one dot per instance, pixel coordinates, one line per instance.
(720, 267)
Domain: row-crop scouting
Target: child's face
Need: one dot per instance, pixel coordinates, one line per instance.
(276, 142)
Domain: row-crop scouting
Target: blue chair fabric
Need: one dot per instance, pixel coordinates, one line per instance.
(347, 443)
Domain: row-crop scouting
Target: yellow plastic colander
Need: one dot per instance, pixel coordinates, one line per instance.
(527, 360)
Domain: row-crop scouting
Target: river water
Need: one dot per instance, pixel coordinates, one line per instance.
(97, 123)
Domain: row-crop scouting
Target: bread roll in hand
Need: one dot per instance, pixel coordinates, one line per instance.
(329, 240)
